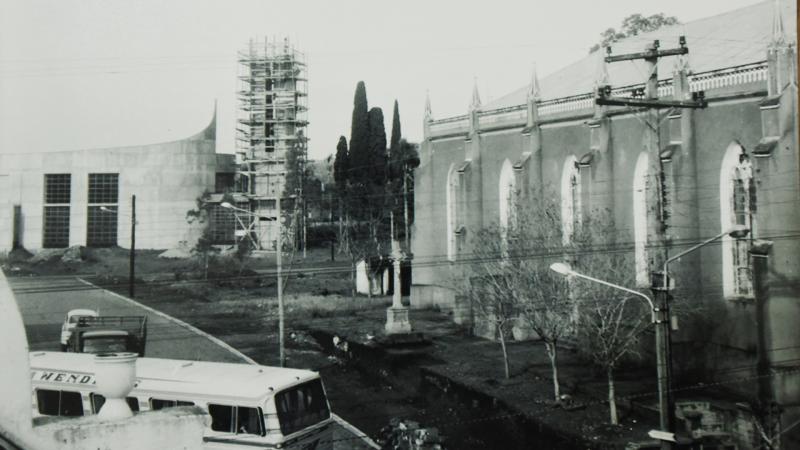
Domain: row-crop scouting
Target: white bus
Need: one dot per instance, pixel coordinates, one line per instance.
(250, 406)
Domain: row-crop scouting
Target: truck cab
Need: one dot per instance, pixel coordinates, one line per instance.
(102, 334)
(106, 341)
(71, 321)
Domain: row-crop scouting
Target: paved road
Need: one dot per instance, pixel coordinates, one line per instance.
(44, 301)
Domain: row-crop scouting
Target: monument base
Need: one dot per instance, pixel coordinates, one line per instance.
(397, 321)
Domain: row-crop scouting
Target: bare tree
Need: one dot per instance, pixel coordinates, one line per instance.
(490, 289)
(544, 299)
(547, 309)
(512, 282)
(611, 321)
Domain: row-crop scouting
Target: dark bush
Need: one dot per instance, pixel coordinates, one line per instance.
(321, 234)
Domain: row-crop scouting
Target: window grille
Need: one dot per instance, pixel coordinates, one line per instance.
(452, 228)
(56, 227)
(103, 188)
(57, 188)
(743, 206)
(575, 203)
(101, 226)
(101, 218)
(57, 193)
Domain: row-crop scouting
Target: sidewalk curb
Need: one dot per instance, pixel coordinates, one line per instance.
(343, 423)
(358, 433)
(176, 321)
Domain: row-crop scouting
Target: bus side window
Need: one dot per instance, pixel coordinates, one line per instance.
(133, 402)
(59, 403)
(248, 421)
(236, 419)
(156, 404)
(48, 401)
(221, 418)
(98, 401)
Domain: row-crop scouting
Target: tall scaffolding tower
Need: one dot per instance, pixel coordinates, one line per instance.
(271, 120)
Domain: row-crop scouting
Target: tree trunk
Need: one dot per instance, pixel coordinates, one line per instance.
(205, 266)
(552, 353)
(612, 401)
(341, 227)
(369, 280)
(305, 230)
(353, 280)
(405, 214)
(505, 351)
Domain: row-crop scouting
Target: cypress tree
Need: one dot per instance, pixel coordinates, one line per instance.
(341, 174)
(376, 173)
(358, 166)
(394, 143)
(341, 165)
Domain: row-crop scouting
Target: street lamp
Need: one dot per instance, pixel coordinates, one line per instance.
(737, 232)
(661, 350)
(566, 270)
(132, 253)
(278, 262)
(664, 339)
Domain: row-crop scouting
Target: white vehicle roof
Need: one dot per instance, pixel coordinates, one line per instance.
(185, 378)
(82, 312)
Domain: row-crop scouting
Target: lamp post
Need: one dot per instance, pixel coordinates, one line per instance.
(664, 337)
(661, 354)
(278, 262)
(660, 318)
(132, 252)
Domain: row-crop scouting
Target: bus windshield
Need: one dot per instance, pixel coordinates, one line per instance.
(105, 344)
(301, 406)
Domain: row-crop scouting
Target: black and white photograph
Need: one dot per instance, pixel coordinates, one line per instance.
(399, 225)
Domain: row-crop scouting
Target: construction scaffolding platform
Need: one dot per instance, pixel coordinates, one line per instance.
(271, 120)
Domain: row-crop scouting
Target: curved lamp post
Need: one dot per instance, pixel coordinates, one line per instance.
(737, 232)
(566, 270)
(663, 351)
(662, 297)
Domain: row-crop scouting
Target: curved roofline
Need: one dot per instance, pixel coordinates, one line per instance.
(208, 133)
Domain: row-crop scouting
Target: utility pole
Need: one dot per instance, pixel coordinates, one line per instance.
(648, 98)
(405, 209)
(279, 257)
(131, 270)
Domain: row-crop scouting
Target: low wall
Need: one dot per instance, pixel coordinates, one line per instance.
(176, 428)
(425, 296)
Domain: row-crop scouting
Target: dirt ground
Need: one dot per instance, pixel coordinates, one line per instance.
(370, 385)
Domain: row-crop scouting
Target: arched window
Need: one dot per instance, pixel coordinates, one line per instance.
(640, 174)
(508, 194)
(737, 196)
(570, 200)
(451, 198)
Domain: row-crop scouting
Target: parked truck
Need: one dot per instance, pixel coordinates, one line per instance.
(101, 334)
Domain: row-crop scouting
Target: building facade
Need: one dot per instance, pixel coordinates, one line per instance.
(670, 178)
(84, 197)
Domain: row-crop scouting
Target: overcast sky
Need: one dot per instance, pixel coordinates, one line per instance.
(84, 74)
